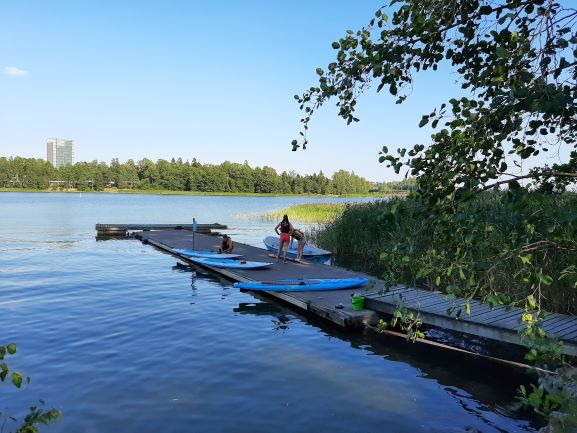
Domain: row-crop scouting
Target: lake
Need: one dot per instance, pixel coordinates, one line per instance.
(119, 338)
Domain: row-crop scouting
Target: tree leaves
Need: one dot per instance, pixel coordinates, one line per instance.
(501, 52)
(509, 56)
(11, 348)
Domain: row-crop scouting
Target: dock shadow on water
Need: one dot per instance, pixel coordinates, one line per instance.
(480, 387)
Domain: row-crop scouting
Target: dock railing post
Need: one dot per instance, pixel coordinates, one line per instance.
(193, 231)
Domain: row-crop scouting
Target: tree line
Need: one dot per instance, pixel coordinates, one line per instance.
(176, 175)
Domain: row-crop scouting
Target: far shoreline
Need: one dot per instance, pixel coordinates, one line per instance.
(202, 193)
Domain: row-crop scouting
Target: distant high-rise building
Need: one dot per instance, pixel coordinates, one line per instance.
(60, 152)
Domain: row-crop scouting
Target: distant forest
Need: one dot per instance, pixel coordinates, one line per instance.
(176, 175)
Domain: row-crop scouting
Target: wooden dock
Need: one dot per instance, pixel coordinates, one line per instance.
(123, 229)
(500, 323)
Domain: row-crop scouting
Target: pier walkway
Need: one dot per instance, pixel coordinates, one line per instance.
(499, 323)
(123, 229)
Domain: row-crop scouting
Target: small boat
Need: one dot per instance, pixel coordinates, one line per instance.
(303, 285)
(205, 254)
(309, 251)
(227, 263)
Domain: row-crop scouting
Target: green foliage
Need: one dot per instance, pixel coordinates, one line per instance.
(406, 320)
(517, 69)
(9, 349)
(500, 247)
(396, 187)
(35, 416)
(555, 397)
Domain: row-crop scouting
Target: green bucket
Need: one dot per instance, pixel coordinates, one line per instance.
(358, 303)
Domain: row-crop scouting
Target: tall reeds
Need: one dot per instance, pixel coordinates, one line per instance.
(308, 213)
(497, 246)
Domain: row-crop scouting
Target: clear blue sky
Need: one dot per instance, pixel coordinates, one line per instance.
(207, 80)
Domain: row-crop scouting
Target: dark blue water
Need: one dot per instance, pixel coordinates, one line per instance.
(120, 339)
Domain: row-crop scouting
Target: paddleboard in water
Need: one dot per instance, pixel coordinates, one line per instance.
(272, 255)
(309, 251)
(229, 264)
(205, 254)
(303, 285)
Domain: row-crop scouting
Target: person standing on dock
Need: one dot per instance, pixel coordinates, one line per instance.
(286, 228)
(301, 239)
(227, 245)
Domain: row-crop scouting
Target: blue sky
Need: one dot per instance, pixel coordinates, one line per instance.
(207, 80)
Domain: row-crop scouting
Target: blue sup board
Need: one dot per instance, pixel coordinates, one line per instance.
(205, 254)
(229, 264)
(309, 251)
(303, 285)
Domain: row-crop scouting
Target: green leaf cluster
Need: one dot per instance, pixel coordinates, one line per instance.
(517, 70)
(9, 349)
(35, 415)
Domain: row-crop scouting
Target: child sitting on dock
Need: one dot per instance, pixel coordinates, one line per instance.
(227, 245)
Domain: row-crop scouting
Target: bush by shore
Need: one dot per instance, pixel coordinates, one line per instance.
(487, 248)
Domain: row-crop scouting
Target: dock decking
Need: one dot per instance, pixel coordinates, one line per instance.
(122, 229)
(499, 323)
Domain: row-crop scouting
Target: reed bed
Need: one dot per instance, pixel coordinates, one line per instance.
(498, 244)
(321, 213)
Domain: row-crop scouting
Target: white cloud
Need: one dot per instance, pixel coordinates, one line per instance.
(13, 71)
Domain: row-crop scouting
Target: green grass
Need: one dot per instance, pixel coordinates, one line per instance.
(310, 213)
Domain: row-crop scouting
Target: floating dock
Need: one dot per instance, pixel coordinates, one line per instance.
(123, 229)
(499, 323)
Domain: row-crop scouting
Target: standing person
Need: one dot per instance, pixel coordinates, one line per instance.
(286, 228)
(227, 246)
(301, 239)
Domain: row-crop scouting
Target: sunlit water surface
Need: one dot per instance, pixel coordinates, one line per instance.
(120, 339)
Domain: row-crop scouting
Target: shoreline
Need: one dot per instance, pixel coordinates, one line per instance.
(200, 193)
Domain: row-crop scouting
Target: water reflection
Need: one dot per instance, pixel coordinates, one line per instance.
(112, 237)
(479, 386)
(199, 277)
(280, 320)
(258, 308)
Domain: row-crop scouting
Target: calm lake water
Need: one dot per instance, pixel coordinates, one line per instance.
(120, 339)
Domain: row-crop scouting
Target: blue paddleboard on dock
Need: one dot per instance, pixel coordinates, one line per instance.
(205, 254)
(309, 251)
(227, 263)
(303, 285)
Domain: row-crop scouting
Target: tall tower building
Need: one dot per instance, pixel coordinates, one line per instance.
(60, 152)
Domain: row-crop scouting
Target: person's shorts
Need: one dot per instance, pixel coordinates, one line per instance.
(285, 237)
